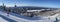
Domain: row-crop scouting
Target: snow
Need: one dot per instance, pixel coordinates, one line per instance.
(2, 20)
(33, 10)
(20, 18)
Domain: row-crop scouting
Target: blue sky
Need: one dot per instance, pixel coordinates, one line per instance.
(40, 3)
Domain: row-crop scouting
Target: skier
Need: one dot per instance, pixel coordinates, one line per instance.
(56, 20)
(31, 15)
(8, 12)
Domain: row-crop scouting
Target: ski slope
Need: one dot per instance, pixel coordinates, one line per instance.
(2, 20)
(19, 18)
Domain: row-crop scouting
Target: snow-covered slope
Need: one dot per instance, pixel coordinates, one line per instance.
(2, 20)
(19, 18)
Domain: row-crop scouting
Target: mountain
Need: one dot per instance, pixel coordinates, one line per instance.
(34, 7)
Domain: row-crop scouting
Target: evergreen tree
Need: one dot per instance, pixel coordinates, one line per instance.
(15, 6)
(3, 6)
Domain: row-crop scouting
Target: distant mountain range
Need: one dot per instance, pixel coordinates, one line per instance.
(34, 7)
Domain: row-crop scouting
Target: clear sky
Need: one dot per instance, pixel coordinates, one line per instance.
(40, 3)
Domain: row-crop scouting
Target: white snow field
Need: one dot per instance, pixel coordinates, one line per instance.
(19, 18)
(2, 20)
